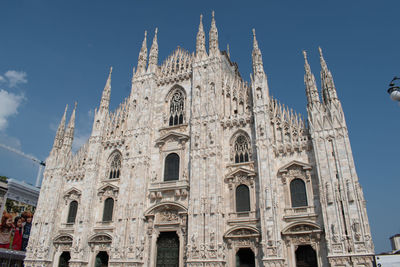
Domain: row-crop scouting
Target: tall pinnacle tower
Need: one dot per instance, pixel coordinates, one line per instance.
(309, 81)
(153, 57)
(201, 41)
(142, 60)
(213, 38)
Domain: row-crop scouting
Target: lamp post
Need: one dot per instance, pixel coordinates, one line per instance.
(394, 90)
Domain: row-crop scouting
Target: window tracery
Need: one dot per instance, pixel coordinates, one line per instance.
(115, 165)
(177, 108)
(242, 149)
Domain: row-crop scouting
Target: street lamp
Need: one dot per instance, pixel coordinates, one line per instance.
(394, 90)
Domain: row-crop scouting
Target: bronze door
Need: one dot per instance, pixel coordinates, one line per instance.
(306, 257)
(168, 250)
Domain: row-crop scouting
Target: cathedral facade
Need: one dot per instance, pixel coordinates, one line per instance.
(197, 167)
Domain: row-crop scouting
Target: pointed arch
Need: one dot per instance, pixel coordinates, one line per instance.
(114, 165)
(240, 147)
(176, 99)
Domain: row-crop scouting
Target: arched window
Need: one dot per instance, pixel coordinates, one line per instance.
(298, 193)
(115, 165)
(241, 149)
(242, 198)
(73, 208)
(177, 108)
(108, 209)
(171, 167)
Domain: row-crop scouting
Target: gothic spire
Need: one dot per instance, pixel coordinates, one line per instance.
(309, 81)
(142, 60)
(105, 97)
(201, 40)
(58, 140)
(328, 86)
(69, 133)
(213, 37)
(153, 57)
(256, 56)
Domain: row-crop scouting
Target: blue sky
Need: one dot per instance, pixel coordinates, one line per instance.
(55, 52)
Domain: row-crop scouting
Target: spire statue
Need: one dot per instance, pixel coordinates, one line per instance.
(309, 81)
(256, 56)
(153, 57)
(105, 97)
(213, 37)
(142, 60)
(327, 84)
(59, 138)
(201, 41)
(69, 133)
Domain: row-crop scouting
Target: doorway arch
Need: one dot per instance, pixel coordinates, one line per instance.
(101, 259)
(64, 259)
(245, 258)
(306, 256)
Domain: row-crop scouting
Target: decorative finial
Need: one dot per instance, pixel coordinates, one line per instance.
(111, 70)
(305, 55)
(213, 14)
(76, 102)
(254, 32)
(320, 51)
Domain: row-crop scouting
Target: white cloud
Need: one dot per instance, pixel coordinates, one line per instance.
(10, 141)
(9, 104)
(15, 77)
(2, 79)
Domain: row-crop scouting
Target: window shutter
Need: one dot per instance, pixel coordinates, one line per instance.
(73, 208)
(298, 193)
(171, 168)
(108, 209)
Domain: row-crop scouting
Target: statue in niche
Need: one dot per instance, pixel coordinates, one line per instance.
(334, 234)
(154, 177)
(212, 236)
(132, 239)
(356, 230)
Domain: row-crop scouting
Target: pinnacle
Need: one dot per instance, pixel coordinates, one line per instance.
(305, 55)
(320, 51)
(201, 23)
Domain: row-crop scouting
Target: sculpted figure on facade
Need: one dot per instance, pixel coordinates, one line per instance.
(200, 168)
